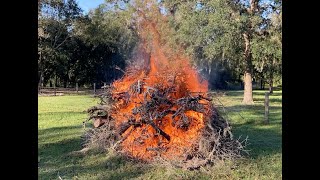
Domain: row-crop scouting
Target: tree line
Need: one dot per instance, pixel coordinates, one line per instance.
(76, 48)
(230, 41)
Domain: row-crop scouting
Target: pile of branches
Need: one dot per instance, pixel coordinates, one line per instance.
(216, 141)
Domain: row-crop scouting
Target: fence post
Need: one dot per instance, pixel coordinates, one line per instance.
(94, 88)
(77, 87)
(266, 108)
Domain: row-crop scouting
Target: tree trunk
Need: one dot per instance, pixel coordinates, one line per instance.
(247, 78)
(271, 86)
(261, 84)
(247, 97)
(247, 35)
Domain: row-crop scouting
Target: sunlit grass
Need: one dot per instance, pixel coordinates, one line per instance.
(60, 127)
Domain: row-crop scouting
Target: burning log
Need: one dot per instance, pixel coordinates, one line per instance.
(99, 122)
(158, 130)
(126, 125)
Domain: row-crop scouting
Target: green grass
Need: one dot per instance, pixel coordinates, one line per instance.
(60, 127)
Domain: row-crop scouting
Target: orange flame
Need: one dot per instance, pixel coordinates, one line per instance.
(177, 72)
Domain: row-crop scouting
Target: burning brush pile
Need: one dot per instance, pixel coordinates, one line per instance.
(160, 109)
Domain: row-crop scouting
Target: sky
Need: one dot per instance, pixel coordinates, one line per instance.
(86, 5)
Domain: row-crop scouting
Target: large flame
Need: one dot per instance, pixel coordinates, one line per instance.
(163, 70)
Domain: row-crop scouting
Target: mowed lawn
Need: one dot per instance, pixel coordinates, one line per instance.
(60, 128)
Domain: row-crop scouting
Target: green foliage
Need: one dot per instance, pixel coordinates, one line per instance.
(108, 42)
(82, 48)
(208, 30)
(54, 36)
(212, 30)
(267, 48)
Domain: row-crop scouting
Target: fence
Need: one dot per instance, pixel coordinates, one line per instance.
(58, 91)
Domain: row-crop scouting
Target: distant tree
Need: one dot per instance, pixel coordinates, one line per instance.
(110, 40)
(73, 47)
(55, 18)
(266, 48)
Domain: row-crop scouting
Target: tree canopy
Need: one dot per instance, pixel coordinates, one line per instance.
(228, 40)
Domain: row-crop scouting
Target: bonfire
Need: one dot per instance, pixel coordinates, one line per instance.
(161, 109)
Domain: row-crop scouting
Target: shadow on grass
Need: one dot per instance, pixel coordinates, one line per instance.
(58, 133)
(248, 121)
(50, 131)
(263, 139)
(253, 114)
(56, 158)
(52, 151)
(114, 167)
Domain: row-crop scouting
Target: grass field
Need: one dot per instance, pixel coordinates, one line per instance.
(60, 127)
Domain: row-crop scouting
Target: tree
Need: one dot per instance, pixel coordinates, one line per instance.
(105, 32)
(266, 48)
(81, 48)
(55, 18)
(222, 30)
